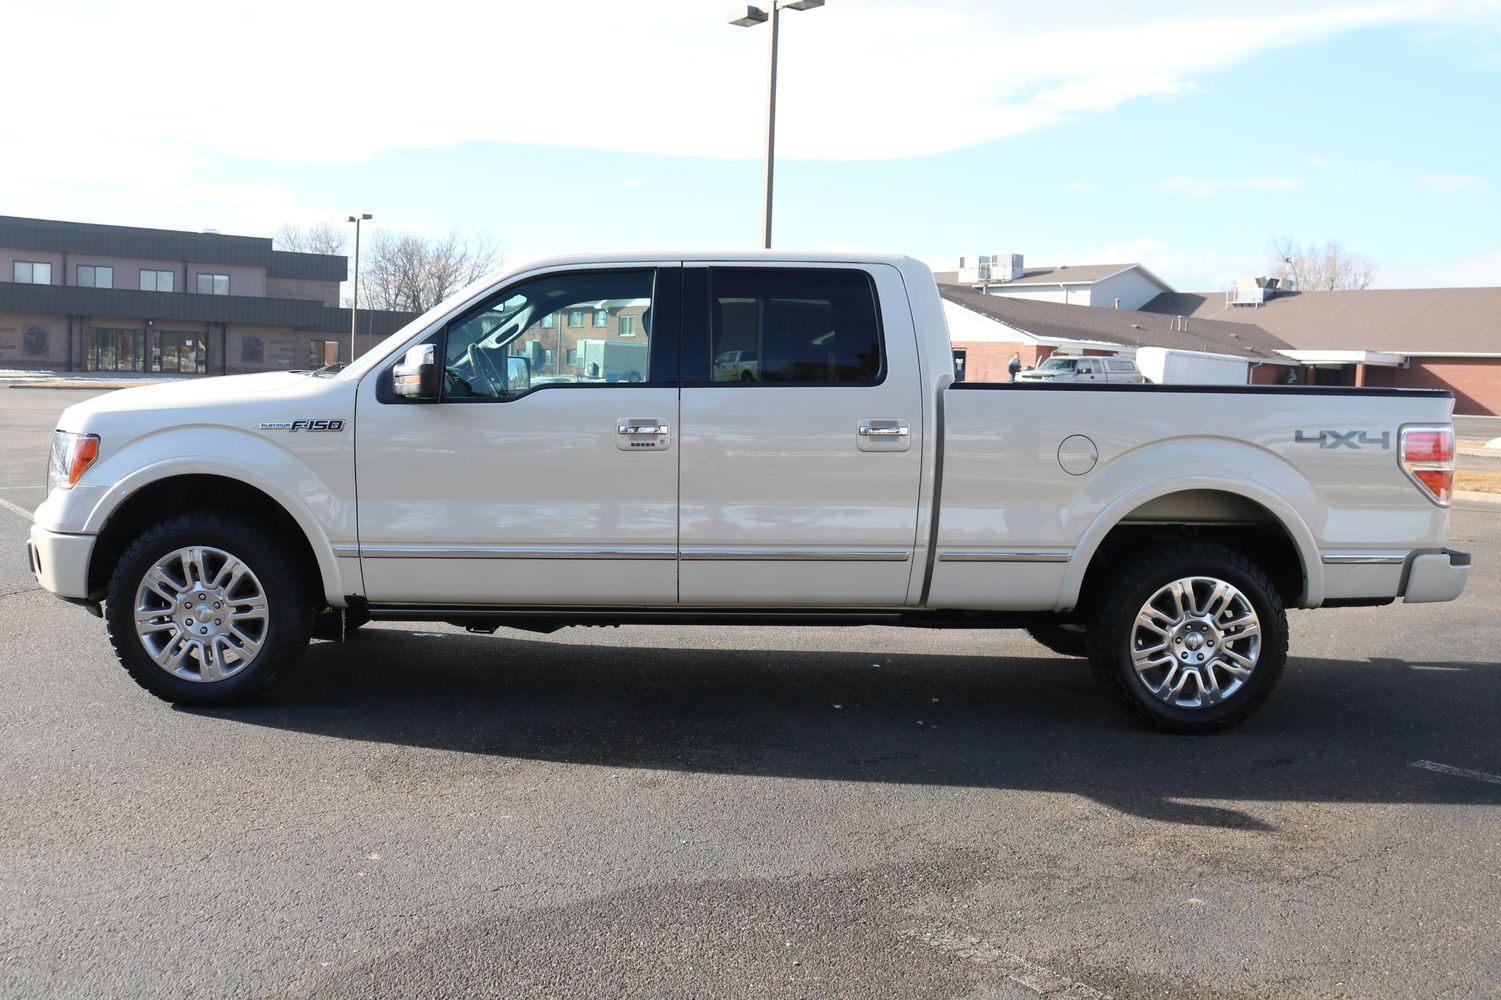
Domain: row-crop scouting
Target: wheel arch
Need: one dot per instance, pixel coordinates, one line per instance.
(1239, 513)
(137, 505)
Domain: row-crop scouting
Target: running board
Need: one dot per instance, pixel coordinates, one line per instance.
(550, 619)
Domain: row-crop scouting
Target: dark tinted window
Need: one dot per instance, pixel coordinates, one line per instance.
(793, 325)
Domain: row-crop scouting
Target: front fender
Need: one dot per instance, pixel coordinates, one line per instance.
(322, 505)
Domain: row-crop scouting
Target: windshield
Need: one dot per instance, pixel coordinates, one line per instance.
(1058, 365)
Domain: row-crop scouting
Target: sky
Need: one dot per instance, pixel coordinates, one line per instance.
(1181, 134)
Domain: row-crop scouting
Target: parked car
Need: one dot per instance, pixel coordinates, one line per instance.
(736, 366)
(1092, 369)
(1159, 530)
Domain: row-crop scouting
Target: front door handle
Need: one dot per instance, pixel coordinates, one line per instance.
(642, 434)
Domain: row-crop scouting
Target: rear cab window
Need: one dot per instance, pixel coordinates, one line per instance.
(788, 326)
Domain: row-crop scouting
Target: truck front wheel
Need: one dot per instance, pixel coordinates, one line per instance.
(207, 608)
(1191, 638)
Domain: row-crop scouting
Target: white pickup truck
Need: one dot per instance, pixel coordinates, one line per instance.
(471, 470)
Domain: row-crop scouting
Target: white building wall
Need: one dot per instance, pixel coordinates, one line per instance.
(1074, 295)
(969, 327)
(1133, 288)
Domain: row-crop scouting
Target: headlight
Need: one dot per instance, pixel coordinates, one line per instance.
(72, 454)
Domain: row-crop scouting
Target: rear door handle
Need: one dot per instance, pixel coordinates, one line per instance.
(884, 435)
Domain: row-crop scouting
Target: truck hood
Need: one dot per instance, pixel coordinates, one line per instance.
(204, 394)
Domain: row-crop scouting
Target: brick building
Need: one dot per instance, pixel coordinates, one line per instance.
(1419, 338)
(87, 297)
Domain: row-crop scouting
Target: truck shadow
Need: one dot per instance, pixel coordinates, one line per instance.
(1335, 730)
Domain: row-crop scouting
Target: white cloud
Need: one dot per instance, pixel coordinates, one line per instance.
(1481, 269)
(1452, 182)
(341, 81)
(1196, 188)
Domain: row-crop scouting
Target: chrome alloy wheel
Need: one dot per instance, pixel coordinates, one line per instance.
(1195, 642)
(201, 614)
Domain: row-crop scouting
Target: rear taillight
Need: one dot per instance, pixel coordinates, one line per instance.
(1427, 456)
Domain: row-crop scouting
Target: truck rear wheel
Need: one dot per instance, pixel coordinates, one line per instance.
(207, 609)
(1192, 638)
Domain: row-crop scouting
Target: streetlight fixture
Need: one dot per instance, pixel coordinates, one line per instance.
(354, 303)
(748, 17)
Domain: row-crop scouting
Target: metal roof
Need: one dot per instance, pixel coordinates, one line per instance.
(167, 244)
(68, 300)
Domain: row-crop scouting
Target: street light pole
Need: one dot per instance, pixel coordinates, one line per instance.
(354, 303)
(747, 17)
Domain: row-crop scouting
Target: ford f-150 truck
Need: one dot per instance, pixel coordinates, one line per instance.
(478, 468)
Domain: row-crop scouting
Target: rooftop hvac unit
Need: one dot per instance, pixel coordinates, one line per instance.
(1005, 266)
(974, 270)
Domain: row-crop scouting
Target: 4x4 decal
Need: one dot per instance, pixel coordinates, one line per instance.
(1344, 439)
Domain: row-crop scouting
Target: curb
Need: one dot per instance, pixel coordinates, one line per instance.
(1489, 499)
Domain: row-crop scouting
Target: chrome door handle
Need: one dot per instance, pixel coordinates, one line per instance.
(883, 432)
(631, 430)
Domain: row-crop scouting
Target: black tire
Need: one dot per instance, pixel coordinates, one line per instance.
(1065, 640)
(274, 564)
(326, 623)
(1139, 579)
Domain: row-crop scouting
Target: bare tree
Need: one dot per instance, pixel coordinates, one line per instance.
(410, 273)
(1317, 268)
(321, 237)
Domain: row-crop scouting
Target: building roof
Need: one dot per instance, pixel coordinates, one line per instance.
(1411, 321)
(167, 244)
(1063, 274)
(1128, 327)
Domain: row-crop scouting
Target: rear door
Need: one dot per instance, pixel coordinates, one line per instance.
(799, 470)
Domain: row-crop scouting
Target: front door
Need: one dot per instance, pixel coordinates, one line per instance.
(548, 472)
(800, 469)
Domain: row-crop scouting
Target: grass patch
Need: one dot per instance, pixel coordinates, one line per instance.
(1478, 482)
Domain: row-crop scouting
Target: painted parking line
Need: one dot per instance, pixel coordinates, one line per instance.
(15, 508)
(1458, 772)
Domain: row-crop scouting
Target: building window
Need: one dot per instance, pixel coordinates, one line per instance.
(323, 352)
(575, 317)
(627, 326)
(213, 284)
(94, 276)
(115, 351)
(549, 321)
(573, 357)
(158, 281)
(32, 272)
(601, 317)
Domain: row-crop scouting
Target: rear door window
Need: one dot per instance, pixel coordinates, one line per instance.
(808, 326)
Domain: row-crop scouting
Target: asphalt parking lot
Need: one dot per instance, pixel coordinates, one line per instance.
(744, 812)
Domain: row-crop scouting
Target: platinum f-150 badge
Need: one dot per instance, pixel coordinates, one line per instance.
(302, 425)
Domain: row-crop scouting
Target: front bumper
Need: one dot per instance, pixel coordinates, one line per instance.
(59, 562)
(1437, 576)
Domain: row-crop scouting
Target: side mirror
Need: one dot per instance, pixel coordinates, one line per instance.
(418, 375)
(518, 375)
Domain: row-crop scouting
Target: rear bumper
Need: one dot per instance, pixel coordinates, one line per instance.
(1437, 576)
(60, 563)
